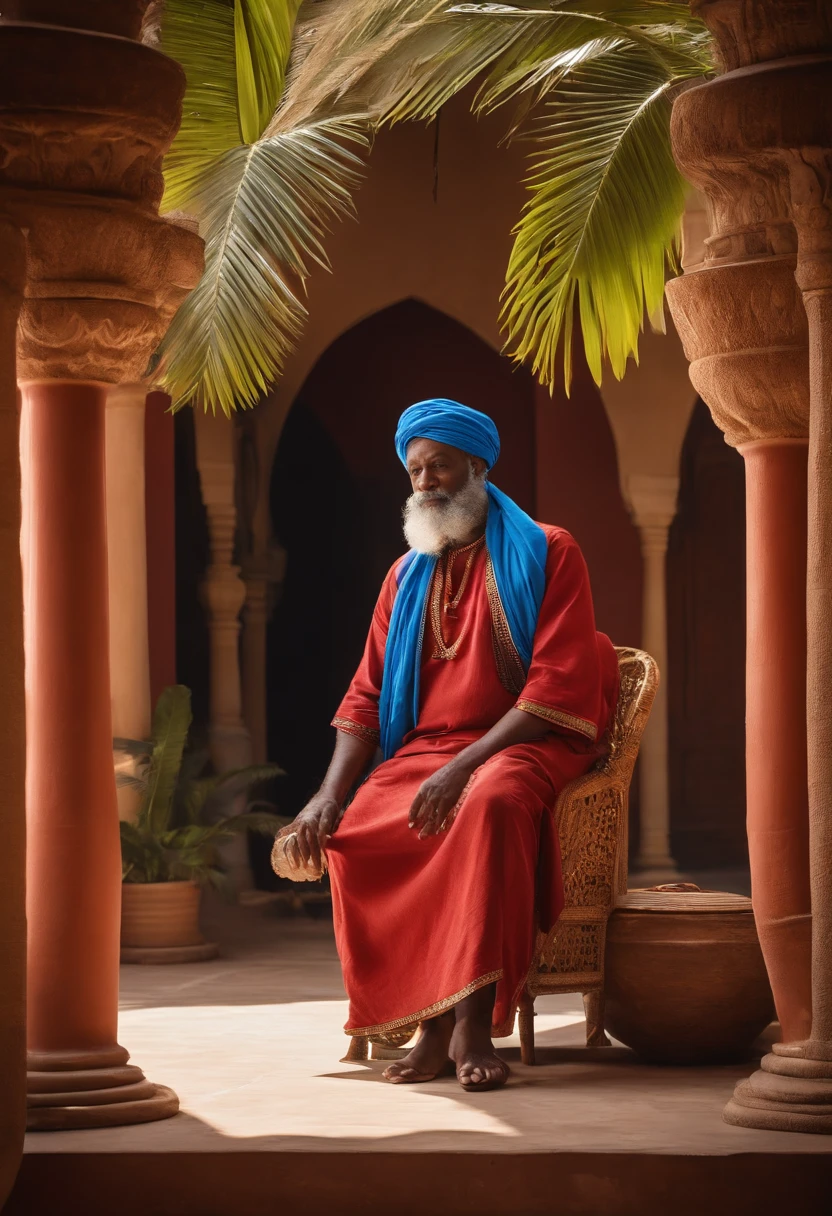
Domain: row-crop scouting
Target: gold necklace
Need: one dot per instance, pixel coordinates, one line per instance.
(443, 602)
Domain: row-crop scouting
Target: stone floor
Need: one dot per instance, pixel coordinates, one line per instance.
(271, 1119)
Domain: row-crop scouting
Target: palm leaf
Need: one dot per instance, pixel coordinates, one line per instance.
(263, 205)
(406, 58)
(264, 211)
(606, 196)
(606, 201)
(200, 36)
(234, 53)
(171, 722)
(263, 39)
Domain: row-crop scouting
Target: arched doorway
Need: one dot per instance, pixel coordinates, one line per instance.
(336, 495)
(706, 641)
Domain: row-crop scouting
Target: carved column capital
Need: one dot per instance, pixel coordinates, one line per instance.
(743, 328)
(756, 33)
(85, 119)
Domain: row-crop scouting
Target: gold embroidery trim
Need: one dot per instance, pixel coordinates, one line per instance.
(510, 670)
(558, 718)
(446, 1003)
(367, 733)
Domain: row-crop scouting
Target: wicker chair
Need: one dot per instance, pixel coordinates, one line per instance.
(591, 815)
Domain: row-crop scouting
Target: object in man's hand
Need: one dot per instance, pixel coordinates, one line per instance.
(284, 867)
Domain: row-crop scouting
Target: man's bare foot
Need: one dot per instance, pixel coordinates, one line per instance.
(429, 1055)
(478, 1067)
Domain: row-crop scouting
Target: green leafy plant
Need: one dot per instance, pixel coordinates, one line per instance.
(183, 816)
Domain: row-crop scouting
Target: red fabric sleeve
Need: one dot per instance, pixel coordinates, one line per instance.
(565, 684)
(358, 712)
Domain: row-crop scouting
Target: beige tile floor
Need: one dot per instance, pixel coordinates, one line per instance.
(252, 1042)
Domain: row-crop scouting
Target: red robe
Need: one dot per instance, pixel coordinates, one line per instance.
(422, 923)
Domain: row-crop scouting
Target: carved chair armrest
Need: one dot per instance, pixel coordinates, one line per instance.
(591, 819)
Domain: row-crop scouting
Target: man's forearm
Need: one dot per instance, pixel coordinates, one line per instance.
(516, 726)
(350, 758)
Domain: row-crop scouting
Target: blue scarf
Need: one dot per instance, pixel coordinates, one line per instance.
(516, 545)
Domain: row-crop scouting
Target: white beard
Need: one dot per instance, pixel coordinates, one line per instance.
(431, 529)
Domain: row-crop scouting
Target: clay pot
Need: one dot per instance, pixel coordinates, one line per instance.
(685, 978)
(160, 923)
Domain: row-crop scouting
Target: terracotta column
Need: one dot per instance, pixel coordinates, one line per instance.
(778, 821)
(12, 729)
(74, 865)
(85, 119)
(127, 560)
(262, 577)
(160, 526)
(223, 594)
(653, 504)
(757, 141)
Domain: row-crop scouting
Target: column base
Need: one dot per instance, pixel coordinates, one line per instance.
(91, 1089)
(790, 1092)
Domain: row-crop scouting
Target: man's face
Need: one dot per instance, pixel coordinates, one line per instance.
(439, 469)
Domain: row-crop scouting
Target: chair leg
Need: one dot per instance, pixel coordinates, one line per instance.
(359, 1049)
(594, 1010)
(526, 1020)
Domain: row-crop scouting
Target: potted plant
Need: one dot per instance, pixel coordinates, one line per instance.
(172, 849)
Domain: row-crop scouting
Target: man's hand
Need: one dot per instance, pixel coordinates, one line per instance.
(313, 828)
(432, 809)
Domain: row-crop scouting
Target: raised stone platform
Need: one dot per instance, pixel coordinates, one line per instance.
(273, 1122)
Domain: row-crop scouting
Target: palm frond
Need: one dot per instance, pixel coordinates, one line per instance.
(606, 67)
(263, 40)
(404, 59)
(200, 37)
(234, 53)
(264, 210)
(606, 201)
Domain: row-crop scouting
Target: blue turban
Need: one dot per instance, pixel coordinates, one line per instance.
(516, 546)
(448, 422)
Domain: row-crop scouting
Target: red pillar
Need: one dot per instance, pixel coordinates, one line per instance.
(778, 817)
(160, 512)
(73, 864)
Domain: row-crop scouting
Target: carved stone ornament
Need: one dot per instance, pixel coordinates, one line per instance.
(85, 120)
(743, 328)
(755, 32)
(84, 112)
(104, 279)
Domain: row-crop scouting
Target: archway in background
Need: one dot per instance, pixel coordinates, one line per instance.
(336, 495)
(706, 652)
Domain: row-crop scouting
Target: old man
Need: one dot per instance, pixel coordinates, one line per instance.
(487, 688)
